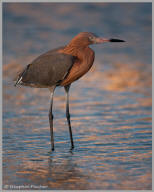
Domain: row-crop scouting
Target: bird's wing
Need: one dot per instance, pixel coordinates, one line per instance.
(47, 70)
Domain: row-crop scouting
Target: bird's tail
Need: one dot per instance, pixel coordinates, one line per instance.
(18, 80)
(20, 76)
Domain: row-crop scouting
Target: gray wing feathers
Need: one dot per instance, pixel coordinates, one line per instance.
(47, 70)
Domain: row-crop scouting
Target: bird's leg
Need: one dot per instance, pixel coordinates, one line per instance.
(68, 114)
(51, 118)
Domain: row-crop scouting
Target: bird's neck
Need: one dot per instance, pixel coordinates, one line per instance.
(81, 52)
(83, 62)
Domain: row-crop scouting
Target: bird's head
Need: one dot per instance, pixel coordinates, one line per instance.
(87, 38)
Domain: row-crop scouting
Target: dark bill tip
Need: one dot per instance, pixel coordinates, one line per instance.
(116, 40)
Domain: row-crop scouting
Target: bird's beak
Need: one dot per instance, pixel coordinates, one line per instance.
(116, 40)
(103, 40)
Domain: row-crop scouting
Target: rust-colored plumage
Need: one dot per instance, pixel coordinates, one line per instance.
(61, 67)
(83, 62)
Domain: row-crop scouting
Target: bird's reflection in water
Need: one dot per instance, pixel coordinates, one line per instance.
(54, 171)
(64, 173)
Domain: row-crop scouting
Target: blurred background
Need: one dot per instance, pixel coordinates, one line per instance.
(110, 106)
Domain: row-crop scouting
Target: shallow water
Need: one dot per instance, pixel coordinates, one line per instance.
(110, 115)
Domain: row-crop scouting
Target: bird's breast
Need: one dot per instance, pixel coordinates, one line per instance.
(83, 62)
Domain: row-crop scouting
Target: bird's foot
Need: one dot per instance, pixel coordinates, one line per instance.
(72, 147)
(52, 149)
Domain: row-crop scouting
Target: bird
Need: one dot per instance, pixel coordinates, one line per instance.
(61, 67)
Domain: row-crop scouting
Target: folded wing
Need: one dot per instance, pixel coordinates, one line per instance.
(47, 70)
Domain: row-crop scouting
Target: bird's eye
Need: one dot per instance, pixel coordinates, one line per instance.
(91, 38)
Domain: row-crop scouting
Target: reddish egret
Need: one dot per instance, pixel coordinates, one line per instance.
(61, 67)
